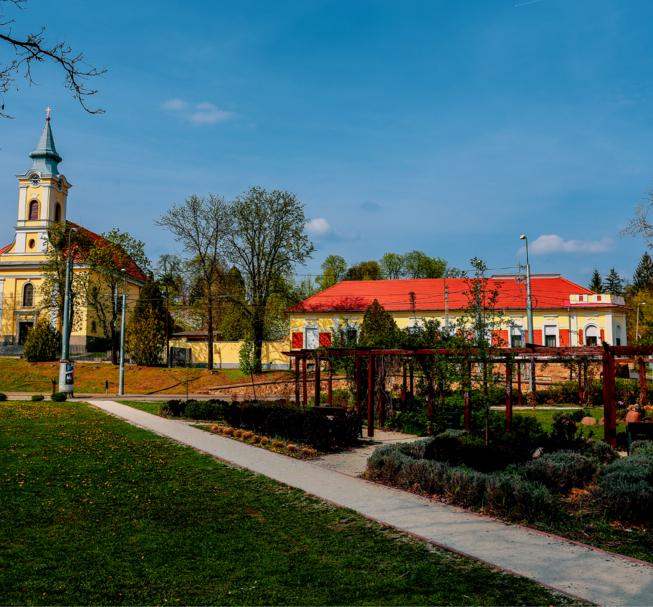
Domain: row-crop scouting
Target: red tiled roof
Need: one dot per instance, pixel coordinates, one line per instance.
(133, 270)
(429, 294)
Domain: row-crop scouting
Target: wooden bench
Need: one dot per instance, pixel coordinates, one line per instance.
(638, 431)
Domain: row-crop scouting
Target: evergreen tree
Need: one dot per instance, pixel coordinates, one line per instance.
(145, 338)
(643, 276)
(596, 284)
(613, 283)
(378, 329)
(43, 343)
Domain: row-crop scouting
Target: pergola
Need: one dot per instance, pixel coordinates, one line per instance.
(531, 355)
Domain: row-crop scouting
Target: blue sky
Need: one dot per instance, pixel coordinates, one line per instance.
(451, 127)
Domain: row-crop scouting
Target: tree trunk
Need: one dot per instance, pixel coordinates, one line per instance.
(259, 328)
(209, 340)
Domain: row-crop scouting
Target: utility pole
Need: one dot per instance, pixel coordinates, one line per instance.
(529, 307)
(121, 384)
(67, 368)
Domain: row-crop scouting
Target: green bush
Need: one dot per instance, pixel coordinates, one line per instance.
(37, 397)
(601, 451)
(415, 449)
(410, 422)
(624, 488)
(561, 471)
(59, 397)
(3, 397)
(513, 494)
(642, 447)
(43, 343)
(202, 409)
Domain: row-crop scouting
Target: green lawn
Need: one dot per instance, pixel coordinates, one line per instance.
(152, 408)
(95, 511)
(546, 419)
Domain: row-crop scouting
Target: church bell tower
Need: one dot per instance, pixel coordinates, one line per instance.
(43, 197)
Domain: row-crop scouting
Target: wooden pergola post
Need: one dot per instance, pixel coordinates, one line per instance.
(370, 396)
(580, 384)
(533, 382)
(305, 382)
(609, 414)
(429, 413)
(508, 396)
(358, 384)
(297, 380)
(411, 382)
(518, 384)
(641, 369)
(403, 389)
(317, 379)
(330, 388)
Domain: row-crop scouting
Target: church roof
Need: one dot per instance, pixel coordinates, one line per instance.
(45, 156)
(133, 271)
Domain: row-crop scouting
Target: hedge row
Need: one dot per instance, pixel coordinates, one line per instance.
(624, 487)
(275, 419)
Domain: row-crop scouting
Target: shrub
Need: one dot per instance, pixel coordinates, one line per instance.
(601, 451)
(466, 487)
(444, 448)
(276, 444)
(43, 343)
(624, 488)
(292, 448)
(526, 427)
(228, 431)
(410, 422)
(173, 408)
(512, 494)
(561, 471)
(232, 413)
(238, 433)
(59, 397)
(37, 397)
(642, 447)
(564, 427)
(416, 449)
(256, 438)
(3, 397)
(202, 409)
(308, 452)
(216, 428)
(265, 440)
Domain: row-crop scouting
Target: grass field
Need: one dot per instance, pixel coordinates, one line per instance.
(20, 376)
(546, 419)
(94, 511)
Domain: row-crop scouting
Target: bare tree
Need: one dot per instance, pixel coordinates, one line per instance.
(641, 224)
(201, 226)
(31, 49)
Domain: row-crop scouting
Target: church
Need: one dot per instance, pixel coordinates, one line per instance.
(42, 201)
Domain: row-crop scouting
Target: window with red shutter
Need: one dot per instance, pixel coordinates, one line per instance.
(325, 340)
(297, 341)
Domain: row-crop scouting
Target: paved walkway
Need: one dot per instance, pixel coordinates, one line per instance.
(593, 575)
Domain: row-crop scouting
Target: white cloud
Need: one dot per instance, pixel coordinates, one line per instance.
(198, 113)
(551, 243)
(321, 229)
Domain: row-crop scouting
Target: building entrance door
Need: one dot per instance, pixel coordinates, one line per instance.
(312, 339)
(23, 329)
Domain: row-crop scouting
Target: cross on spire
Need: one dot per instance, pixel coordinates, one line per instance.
(48, 110)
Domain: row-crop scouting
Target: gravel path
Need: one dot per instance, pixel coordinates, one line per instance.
(593, 575)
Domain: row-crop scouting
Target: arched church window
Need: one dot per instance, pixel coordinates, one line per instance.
(28, 295)
(592, 334)
(57, 213)
(34, 210)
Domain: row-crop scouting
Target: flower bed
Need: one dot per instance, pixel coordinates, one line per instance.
(506, 480)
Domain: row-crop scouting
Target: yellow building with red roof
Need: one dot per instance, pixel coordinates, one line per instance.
(564, 313)
(42, 201)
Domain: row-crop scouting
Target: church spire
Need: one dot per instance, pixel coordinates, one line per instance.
(45, 155)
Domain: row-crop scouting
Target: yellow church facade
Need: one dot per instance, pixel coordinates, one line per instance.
(42, 202)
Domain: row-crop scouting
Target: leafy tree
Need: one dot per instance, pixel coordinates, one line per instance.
(596, 283)
(613, 283)
(53, 285)
(364, 270)
(43, 343)
(378, 328)
(334, 270)
(265, 242)
(146, 330)
(643, 276)
(234, 323)
(33, 49)
(106, 259)
(202, 226)
(419, 265)
(392, 266)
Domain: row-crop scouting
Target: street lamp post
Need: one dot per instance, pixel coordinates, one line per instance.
(66, 368)
(529, 305)
(121, 385)
(643, 303)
